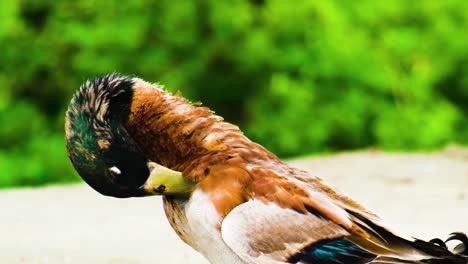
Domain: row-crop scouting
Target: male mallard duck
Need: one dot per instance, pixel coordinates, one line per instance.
(224, 195)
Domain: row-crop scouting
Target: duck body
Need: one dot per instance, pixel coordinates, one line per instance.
(197, 223)
(244, 205)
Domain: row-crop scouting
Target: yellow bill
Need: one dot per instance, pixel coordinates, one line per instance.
(165, 181)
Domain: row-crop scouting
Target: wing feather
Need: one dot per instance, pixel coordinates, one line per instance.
(266, 233)
(292, 210)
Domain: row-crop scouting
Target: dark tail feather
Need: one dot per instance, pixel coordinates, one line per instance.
(433, 252)
(461, 248)
(387, 260)
(460, 251)
(456, 259)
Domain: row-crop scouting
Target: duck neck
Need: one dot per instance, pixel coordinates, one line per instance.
(174, 132)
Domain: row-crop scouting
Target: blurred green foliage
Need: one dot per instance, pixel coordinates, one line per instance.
(298, 76)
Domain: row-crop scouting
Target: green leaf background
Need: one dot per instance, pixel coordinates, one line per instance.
(298, 77)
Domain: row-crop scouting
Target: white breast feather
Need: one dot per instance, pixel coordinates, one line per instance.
(204, 223)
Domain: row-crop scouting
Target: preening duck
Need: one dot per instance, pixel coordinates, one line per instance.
(226, 196)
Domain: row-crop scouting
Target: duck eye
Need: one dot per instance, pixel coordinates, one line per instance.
(115, 171)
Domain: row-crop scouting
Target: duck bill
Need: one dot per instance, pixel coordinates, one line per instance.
(163, 180)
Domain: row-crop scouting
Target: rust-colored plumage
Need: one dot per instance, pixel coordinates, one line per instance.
(229, 167)
(248, 206)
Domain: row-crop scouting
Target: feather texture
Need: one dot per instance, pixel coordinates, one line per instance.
(269, 211)
(247, 205)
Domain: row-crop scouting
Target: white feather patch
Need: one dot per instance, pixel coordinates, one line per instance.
(267, 233)
(204, 222)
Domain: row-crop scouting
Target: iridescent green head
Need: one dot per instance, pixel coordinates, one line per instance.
(104, 153)
(99, 146)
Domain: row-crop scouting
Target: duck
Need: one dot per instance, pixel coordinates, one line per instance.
(224, 195)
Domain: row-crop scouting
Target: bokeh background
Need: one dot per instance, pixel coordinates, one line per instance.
(299, 77)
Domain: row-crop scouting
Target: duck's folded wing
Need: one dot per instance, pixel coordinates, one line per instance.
(261, 232)
(266, 233)
(315, 226)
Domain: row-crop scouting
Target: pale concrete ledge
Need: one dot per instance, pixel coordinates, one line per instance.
(423, 195)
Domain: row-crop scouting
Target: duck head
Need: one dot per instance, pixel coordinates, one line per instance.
(101, 149)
